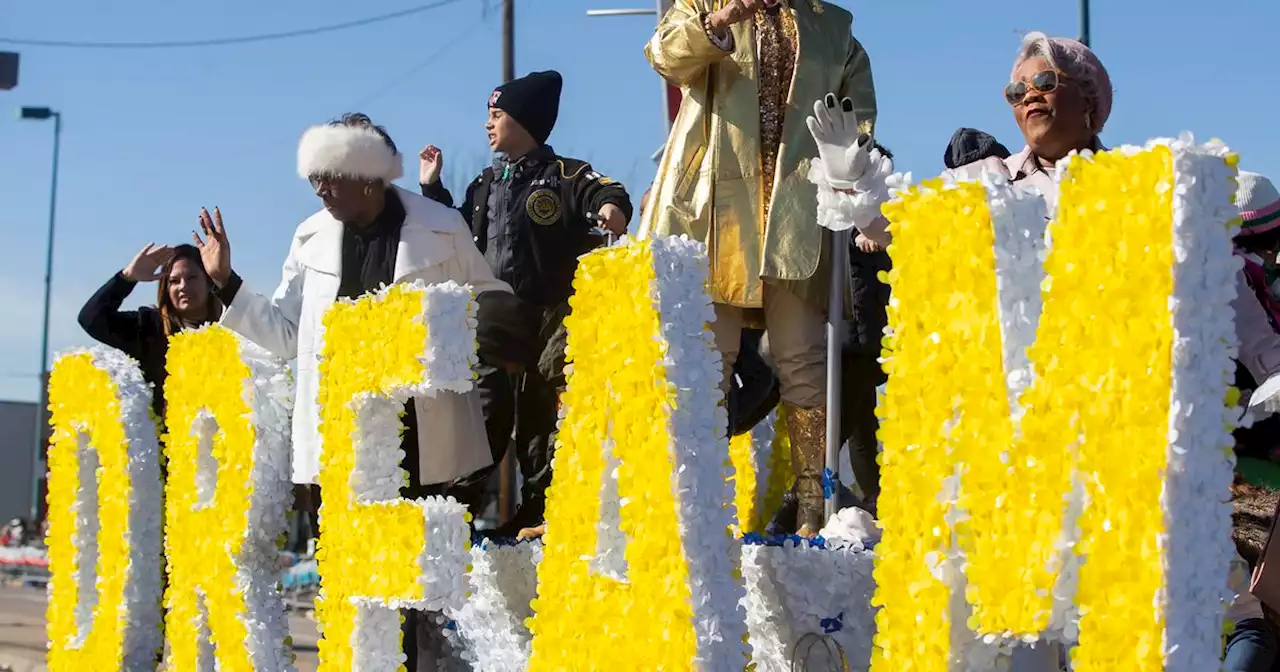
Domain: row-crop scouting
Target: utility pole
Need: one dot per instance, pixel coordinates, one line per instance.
(1084, 22)
(507, 490)
(508, 40)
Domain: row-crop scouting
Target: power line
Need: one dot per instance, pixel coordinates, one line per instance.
(225, 41)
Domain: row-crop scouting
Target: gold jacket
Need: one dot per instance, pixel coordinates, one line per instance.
(709, 184)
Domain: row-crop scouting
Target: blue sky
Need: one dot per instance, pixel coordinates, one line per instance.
(151, 136)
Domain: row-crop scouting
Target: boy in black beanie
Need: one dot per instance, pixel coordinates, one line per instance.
(532, 215)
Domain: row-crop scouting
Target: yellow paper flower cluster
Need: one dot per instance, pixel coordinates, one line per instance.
(742, 455)
(585, 621)
(941, 332)
(1098, 409)
(204, 531)
(1108, 307)
(83, 398)
(365, 550)
(389, 535)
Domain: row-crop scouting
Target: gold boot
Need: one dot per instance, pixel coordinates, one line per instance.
(808, 432)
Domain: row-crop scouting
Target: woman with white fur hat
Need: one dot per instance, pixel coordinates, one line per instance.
(370, 233)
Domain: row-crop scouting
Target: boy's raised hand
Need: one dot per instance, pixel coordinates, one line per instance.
(430, 163)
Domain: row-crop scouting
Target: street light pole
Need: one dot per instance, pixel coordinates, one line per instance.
(38, 456)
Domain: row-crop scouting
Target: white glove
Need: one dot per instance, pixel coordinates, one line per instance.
(835, 130)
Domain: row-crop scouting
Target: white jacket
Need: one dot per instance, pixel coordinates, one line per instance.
(435, 246)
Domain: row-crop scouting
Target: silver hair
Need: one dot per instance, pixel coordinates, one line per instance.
(1079, 64)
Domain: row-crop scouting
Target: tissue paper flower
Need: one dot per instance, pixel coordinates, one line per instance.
(1063, 483)
(794, 588)
(227, 406)
(104, 505)
(639, 571)
(491, 633)
(405, 341)
(751, 454)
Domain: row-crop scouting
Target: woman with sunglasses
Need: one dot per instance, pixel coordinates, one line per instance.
(1061, 98)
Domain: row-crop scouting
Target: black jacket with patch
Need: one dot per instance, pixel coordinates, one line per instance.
(540, 223)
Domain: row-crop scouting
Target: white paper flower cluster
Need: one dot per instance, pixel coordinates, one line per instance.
(798, 589)
(269, 394)
(1199, 549)
(1018, 217)
(842, 210)
(491, 635)
(138, 612)
(762, 437)
(700, 450)
(450, 356)
(793, 588)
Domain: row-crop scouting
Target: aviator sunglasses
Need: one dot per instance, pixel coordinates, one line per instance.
(1044, 81)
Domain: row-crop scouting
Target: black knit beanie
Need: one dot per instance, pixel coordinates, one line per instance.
(533, 101)
(969, 145)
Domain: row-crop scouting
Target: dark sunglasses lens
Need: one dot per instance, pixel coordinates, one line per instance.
(1044, 81)
(1014, 92)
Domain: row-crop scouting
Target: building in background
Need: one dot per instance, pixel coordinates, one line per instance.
(17, 435)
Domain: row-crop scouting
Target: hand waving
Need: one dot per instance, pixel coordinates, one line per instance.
(147, 264)
(845, 153)
(430, 164)
(215, 249)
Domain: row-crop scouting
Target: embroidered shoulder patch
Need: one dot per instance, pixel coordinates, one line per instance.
(605, 181)
(544, 207)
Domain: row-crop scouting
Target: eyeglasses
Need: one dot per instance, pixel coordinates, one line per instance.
(1044, 81)
(319, 182)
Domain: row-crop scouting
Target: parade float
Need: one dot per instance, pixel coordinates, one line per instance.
(1056, 461)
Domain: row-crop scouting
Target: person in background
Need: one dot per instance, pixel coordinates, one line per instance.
(1258, 244)
(370, 234)
(860, 370)
(185, 298)
(1251, 641)
(532, 214)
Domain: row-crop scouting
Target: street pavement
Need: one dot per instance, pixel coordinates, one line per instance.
(22, 640)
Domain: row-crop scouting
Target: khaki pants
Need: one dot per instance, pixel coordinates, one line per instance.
(797, 342)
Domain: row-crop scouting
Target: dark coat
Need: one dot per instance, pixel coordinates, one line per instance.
(137, 333)
(870, 300)
(546, 226)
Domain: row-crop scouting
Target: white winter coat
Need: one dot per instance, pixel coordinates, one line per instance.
(435, 246)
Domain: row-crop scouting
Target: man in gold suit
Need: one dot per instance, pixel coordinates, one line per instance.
(735, 175)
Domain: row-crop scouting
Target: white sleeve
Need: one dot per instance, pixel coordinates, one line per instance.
(270, 322)
(1259, 343)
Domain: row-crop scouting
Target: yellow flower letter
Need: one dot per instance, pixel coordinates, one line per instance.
(1054, 437)
(104, 516)
(639, 571)
(227, 413)
(379, 552)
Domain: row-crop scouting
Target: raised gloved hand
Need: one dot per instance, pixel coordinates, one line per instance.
(847, 155)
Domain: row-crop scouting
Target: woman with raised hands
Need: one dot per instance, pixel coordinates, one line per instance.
(184, 298)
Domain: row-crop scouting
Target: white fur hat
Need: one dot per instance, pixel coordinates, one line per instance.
(348, 151)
